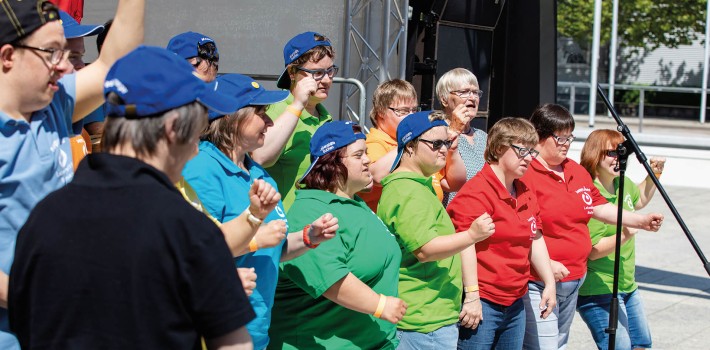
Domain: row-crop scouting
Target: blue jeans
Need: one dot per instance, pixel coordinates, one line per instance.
(632, 330)
(502, 328)
(442, 338)
(552, 332)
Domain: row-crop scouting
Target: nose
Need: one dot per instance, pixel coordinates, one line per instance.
(365, 159)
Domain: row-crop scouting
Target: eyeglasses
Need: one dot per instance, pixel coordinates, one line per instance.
(319, 74)
(468, 93)
(403, 112)
(437, 144)
(55, 55)
(562, 140)
(522, 152)
(612, 153)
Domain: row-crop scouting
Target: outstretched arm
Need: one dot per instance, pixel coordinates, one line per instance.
(126, 34)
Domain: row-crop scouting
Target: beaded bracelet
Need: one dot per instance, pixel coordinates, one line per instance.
(307, 238)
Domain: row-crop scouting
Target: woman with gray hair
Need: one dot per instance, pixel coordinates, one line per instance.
(459, 94)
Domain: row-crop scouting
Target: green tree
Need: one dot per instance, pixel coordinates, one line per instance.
(642, 23)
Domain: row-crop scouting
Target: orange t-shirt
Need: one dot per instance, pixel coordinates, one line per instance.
(80, 147)
(378, 144)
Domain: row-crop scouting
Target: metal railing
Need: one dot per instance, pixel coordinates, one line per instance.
(642, 95)
(352, 115)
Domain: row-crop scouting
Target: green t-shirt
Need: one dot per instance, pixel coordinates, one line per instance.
(411, 210)
(600, 272)
(296, 155)
(302, 318)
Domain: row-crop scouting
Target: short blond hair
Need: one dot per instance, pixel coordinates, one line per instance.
(452, 80)
(387, 93)
(506, 132)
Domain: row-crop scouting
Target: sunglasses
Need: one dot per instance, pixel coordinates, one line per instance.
(612, 153)
(437, 144)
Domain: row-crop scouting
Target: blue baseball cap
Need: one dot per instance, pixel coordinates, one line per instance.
(295, 48)
(185, 44)
(247, 91)
(150, 80)
(72, 28)
(411, 127)
(331, 137)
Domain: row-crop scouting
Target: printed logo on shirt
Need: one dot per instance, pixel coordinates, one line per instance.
(629, 203)
(533, 227)
(65, 170)
(587, 199)
(279, 211)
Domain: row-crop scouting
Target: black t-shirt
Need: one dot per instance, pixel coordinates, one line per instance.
(118, 259)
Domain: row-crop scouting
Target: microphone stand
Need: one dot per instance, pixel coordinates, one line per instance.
(625, 149)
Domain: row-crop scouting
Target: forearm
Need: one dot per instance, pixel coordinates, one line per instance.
(4, 289)
(540, 260)
(353, 294)
(444, 246)
(647, 189)
(469, 269)
(382, 166)
(126, 34)
(455, 176)
(607, 213)
(238, 232)
(295, 246)
(276, 138)
(606, 246)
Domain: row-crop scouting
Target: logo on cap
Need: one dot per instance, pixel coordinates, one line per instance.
(293, 55)
(407, 137)
(255, 84)
(327, 147)
(117, 84)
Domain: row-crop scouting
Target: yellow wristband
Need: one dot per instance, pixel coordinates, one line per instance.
(657, 175)
(471, 289)
(380, 306)
(297, 112)
(253, 246)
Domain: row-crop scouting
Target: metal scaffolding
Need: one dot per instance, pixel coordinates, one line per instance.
(374, 50)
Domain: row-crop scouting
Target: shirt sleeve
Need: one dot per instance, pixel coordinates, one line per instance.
(467, 206)
(597, 230)
(415, 220)
(320, 268)
(375, 148)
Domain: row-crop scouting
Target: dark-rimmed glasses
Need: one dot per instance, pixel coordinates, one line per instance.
(562, 140)
(319, 74)
(403, 112)
(468, 93)
(612, 153)
(55, 55)
(522, 152)
(437, 144)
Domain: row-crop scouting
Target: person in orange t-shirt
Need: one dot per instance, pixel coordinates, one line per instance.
(392, 101)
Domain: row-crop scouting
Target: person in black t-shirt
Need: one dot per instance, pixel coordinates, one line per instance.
(130, 264)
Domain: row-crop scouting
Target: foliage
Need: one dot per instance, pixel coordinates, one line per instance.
(642, 23)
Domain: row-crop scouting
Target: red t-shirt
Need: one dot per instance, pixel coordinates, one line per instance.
(503, 258)
(566, 205)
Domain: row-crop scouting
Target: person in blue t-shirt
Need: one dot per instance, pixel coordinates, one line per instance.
(222, 173)
(39, 100)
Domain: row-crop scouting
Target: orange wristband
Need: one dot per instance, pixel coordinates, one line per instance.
(253, 246)
(657, 175)
(380, 306)
(307, 238)
(297, 112)
(470, 289)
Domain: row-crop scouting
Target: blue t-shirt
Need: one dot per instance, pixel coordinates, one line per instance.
(35, 159)
(223, 188)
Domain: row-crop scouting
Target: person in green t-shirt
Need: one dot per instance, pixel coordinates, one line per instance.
(599, 157)
(342, 295)
(308, 75)
(430, 277)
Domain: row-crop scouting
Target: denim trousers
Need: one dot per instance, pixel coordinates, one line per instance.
(632, 330)
(442, 338)
(502, 328)
(552, 332)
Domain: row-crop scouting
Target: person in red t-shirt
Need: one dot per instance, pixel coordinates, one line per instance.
(494, 315)
(568, 199)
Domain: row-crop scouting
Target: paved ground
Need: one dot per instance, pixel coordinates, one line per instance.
(673, 283)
